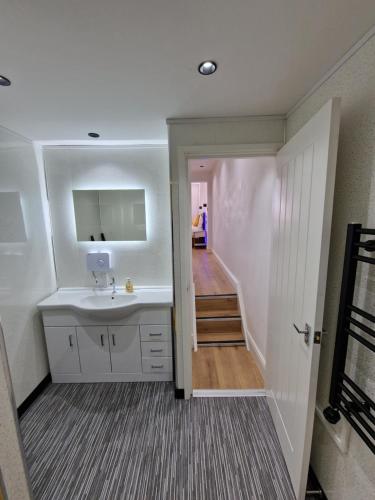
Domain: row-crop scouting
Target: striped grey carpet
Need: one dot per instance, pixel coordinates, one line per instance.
(136, 441)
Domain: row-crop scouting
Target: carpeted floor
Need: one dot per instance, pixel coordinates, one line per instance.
(136, 441)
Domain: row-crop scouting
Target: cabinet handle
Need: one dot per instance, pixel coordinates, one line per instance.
(155, 334)
(156, 350)
(114, 339)
(102, 340)
(71, 341)
(157, 366)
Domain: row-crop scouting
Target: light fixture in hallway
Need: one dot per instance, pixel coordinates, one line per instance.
(4, 81)
(207, 68)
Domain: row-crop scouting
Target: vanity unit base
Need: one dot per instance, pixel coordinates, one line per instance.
(136, 348)
(87, 378)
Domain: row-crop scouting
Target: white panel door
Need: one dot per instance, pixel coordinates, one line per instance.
(62, 349)
(125, 347)
(194, 199)
(94, 349)
(302, 223)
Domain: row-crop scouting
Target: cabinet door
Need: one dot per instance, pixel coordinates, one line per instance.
(62, 349)
(94, 349)
(125, 349)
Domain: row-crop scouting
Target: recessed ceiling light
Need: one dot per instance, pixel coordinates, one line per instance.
(94, 135)
(4, 81)
(207, 68)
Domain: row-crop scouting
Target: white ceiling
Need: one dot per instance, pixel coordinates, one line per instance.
(121, 67)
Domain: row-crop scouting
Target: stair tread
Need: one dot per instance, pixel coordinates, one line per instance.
(218, 313)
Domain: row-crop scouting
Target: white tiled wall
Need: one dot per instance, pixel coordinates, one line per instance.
(148, 263)
(26, 266)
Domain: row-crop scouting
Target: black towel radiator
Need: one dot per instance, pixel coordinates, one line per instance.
(346, 396)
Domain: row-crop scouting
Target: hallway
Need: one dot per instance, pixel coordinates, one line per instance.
(218, 317)
(222, 360)
(225, 368)
(209, 276)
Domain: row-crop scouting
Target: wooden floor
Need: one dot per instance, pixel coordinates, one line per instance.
(225, 368)
(208, 274)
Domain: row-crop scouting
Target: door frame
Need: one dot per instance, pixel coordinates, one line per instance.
(181, 236)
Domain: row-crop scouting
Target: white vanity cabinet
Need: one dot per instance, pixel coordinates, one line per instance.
(94, 349)
(62, 349)
(125, 349)
(137, 347)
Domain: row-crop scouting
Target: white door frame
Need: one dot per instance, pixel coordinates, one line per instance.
(182, 241)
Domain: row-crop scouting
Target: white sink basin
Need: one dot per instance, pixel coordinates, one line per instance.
(107, 301)
(103, 304)
(107, 306)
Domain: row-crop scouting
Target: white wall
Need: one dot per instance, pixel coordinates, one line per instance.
(242, 202)
(146, 262)
(351, 475)
(26, 267)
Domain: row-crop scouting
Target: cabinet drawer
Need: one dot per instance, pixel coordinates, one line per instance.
(155, 333)
(156, 349)
(157, 365)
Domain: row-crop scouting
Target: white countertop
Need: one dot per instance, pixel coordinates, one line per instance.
(96, 300)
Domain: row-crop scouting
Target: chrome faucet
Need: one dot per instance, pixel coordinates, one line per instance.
(113, 284)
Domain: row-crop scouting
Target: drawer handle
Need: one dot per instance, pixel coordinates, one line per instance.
(157, 366)
(156, 350)
(71, 341)
(114, 339)
(102, 340)
(155, 334)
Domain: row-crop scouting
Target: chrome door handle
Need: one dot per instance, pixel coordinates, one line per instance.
(302, 332)
(305, 332)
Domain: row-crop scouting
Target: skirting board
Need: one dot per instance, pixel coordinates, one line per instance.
(33, 395)
(250, 342)
(259, 358)
(228, 393)
(339, 437)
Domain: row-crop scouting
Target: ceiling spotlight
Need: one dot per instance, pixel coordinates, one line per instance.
(94, 135)
(207, 68)
(4, 81)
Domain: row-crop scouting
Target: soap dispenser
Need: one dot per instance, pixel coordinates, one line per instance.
(129, 285)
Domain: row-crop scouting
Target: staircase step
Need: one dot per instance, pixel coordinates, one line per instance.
(220, 337)
(217, 303)
(219, 325)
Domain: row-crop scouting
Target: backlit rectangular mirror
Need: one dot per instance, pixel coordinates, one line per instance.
(110, 215)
